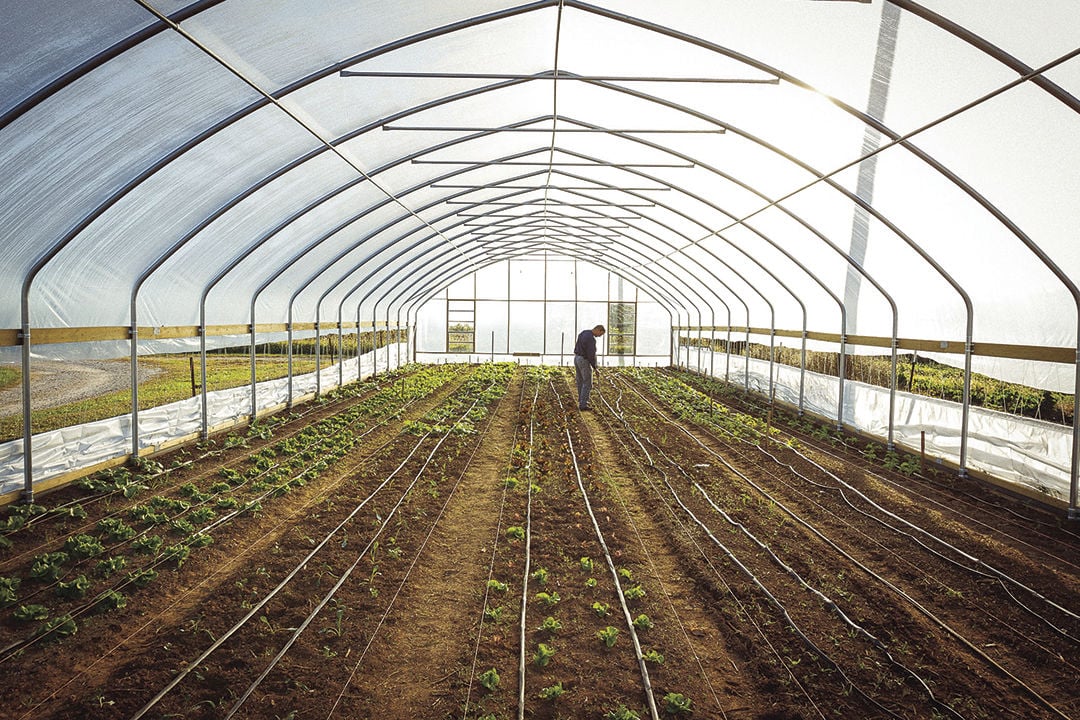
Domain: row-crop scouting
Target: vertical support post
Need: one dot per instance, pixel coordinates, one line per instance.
(28, 460)
(340, 352)
(318, 355)
(562, 348)
(802, 370)
(134, 336)
(842, 371)
(254, 392)
(288, 354)
(205, 432)
(492, 346)
(966, 410)
(894, 345)
(1074, 494)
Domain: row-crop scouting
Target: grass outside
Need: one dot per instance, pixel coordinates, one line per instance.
(9, 377)
(173, 383)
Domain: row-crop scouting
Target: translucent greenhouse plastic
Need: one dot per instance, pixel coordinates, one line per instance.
(79, 447)
(884, 174)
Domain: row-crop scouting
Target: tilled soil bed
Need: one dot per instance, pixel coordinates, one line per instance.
(464, 543)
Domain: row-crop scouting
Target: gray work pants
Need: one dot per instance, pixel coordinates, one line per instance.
(583, 376)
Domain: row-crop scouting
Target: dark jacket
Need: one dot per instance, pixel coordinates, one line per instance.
(586, 346)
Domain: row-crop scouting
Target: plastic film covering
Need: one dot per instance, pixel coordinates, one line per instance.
(1032, 453)
(78, 447)
(844, 168)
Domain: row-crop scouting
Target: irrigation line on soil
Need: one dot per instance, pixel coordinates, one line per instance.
(13, 649)
(664, 497)
(412, 566)
(657, 575)
(205, 580)
(977, 501)
(610, 563)
(790, 621)
(991, 572)
(914, 603)
(345, 576)
(494, 551)
(285, 581)
(528, 557)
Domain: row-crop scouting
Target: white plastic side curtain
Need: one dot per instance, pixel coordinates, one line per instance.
(81, 446)
(1033, 453)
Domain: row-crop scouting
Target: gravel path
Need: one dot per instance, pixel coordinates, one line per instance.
(54, 383)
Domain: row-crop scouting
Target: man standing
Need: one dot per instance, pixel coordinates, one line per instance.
(585, 363)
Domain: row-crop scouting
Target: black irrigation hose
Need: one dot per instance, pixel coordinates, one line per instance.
(654, 713)
(975, 500)
(528, 556)
(652, 565)
(617, 411)
(494, 551)
(807, 642)
(929, 615)
(412, 566)
(990, 572)
(251, 688)
(13, 649)
(368, 456)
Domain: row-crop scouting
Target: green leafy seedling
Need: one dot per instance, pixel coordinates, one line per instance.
(550, 625)
(601, 609)
(677, 704)
(489, 679)
(543, 654)
(608, 635)
(653, 656)
(643, 622)
(549, 599)
(540, 575)
(27, 613)
(634, 593)
(551, 692)
(586, 564)
(516, 532)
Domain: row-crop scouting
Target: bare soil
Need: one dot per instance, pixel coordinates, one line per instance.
(782, 579)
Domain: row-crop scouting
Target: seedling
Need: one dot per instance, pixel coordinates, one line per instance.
(142, 578)
(116, 529)
(489, 679)
(677, 704)
(496, 585)
(8, 586)
(608, 635)
(75, 588)
(548, 599)
(494, 614)
(543, 655)
(516, 532)
(551, 691)
(634, 593)
(148, 544)
(540, 575)
(642, 622)
(590, 583)
(601, 609)
(59, 627)
(83, 546)
(621, 713)
(111, 565)
(111, 600)
(653, 656)
(586, 564)
(26, 613)
(48, 566)
(626, 574)
(550, 625)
